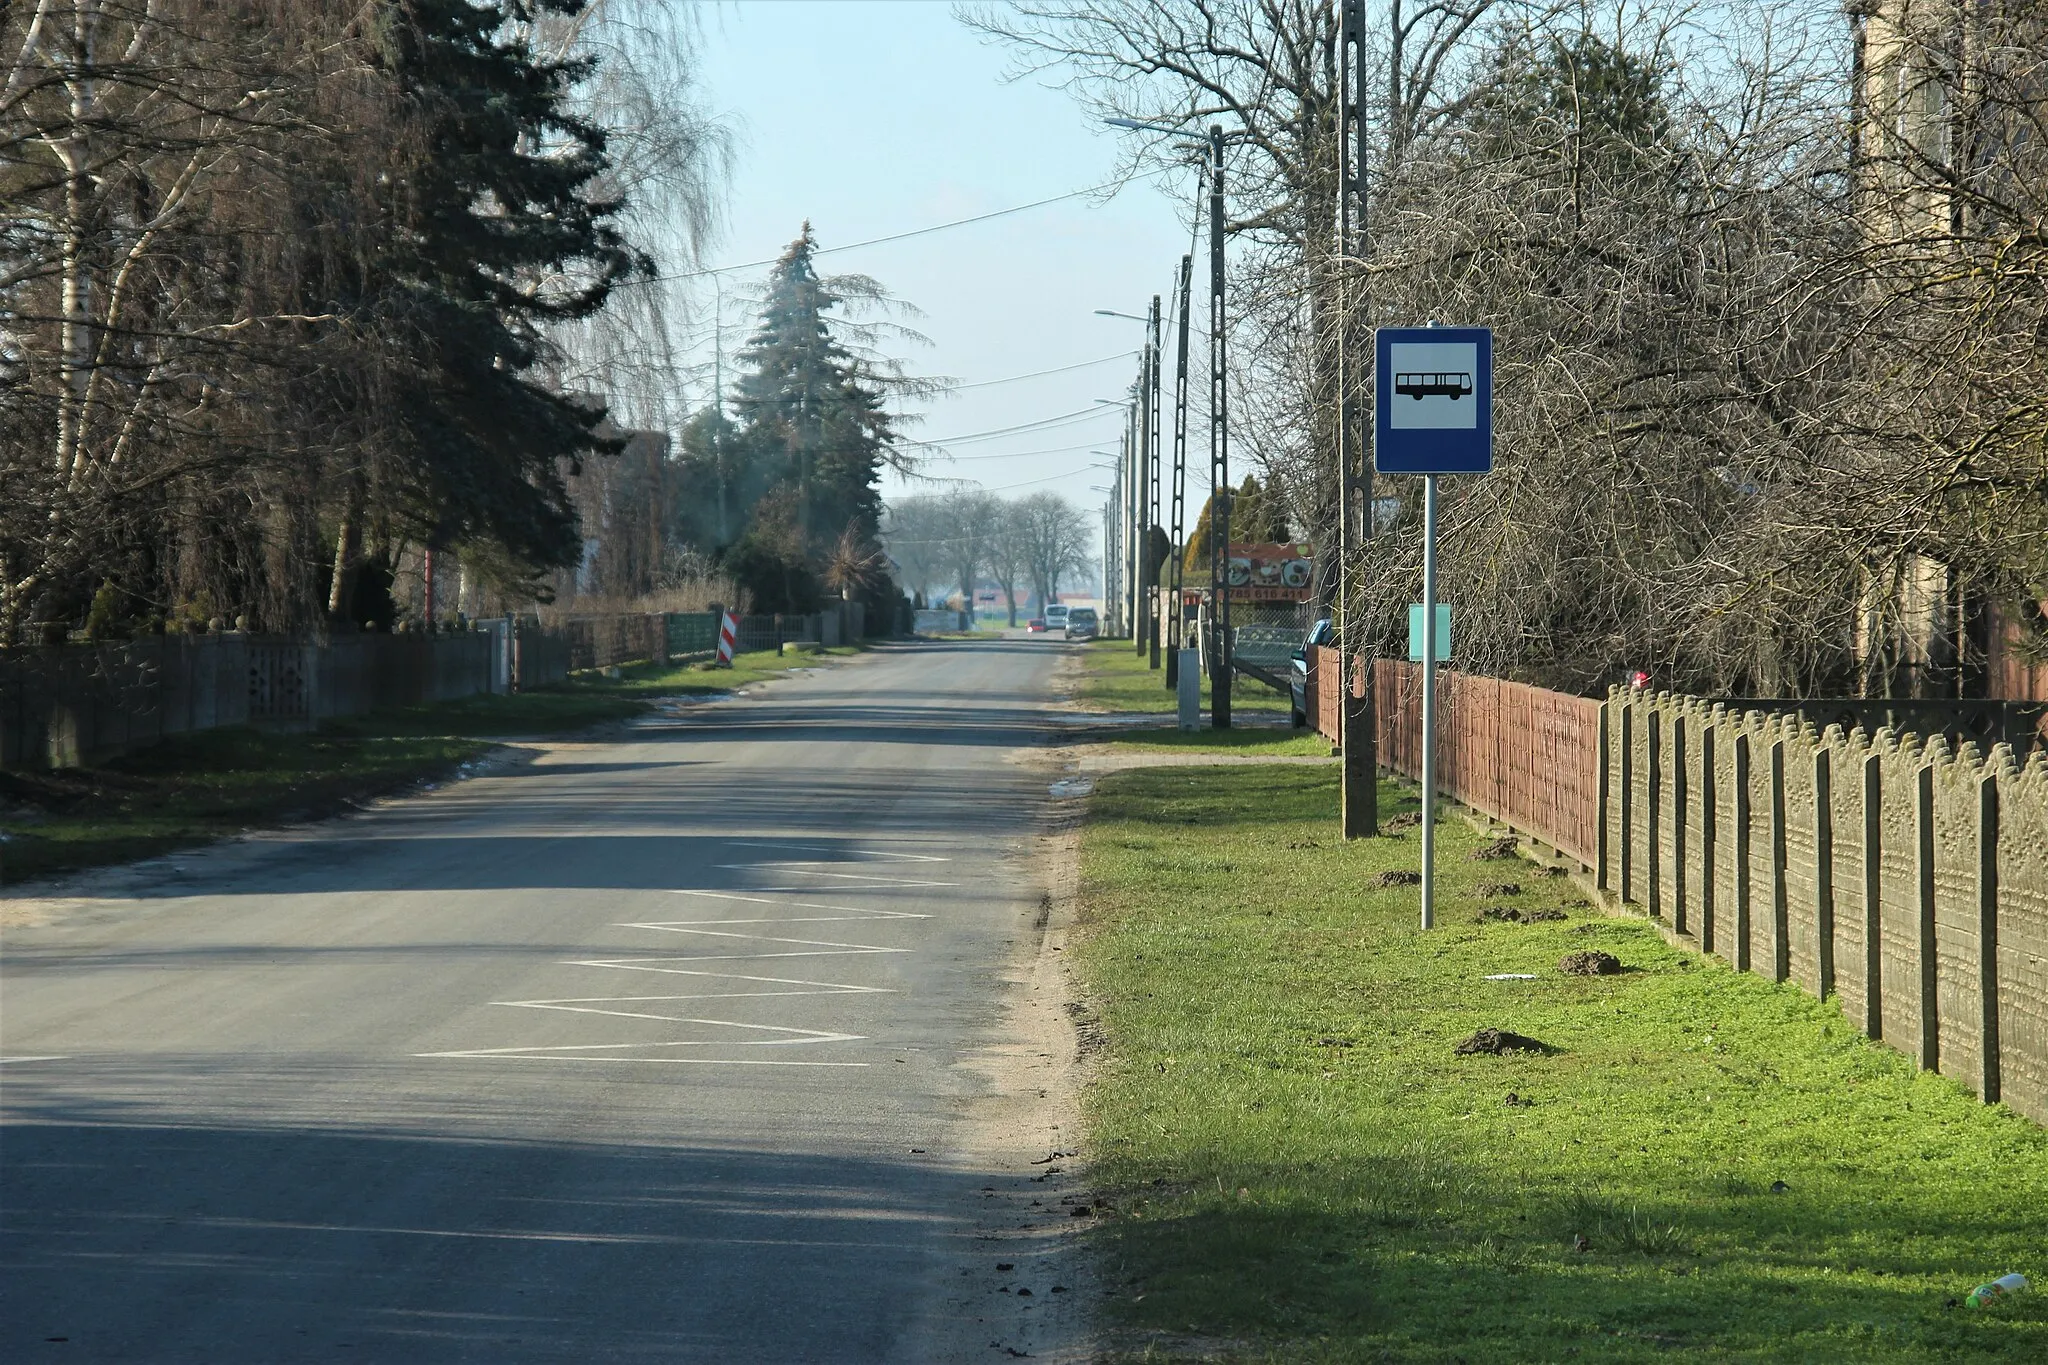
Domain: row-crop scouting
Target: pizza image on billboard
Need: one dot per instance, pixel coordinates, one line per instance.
(1268, 572)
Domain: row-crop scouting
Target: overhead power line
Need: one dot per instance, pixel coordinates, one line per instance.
(993, 433)
(1057, 369)
(1024, 454)
(900, 236)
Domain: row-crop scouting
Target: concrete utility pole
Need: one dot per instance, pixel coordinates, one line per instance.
(1220, 677)
(1360, 808)
(1112, 553)
(1176, 620)
(1151, 401)
(1141, 546)
(1134, 550)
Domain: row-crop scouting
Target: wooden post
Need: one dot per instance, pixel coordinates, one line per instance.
(1873, 897)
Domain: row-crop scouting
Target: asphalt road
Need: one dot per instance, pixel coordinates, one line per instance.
(645, 1051)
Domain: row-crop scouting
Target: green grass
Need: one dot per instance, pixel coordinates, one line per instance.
(586, 699)
(1264, 740)
(1303, 1170)
(1118, 678)
(202, 787)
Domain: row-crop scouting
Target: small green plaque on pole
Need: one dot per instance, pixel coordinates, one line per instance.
(1443, 632)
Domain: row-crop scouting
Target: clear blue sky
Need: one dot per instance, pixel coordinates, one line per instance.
(871, 118)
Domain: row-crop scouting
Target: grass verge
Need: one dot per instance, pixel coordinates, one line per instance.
(200, 787)
(1117, 678)
(1304, 1170)
(1264, 741)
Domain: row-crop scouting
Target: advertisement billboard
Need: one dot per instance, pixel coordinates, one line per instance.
(1267, 572)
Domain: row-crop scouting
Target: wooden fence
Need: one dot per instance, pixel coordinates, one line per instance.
(1904, 878)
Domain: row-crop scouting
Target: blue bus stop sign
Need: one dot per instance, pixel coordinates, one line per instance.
(1433, 407)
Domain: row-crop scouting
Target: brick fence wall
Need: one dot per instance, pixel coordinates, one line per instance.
(1904, 878)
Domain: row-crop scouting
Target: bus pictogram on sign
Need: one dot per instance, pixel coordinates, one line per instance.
(1442, 384)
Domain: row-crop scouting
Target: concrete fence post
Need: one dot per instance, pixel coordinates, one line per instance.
(1710, 820)
(1987, 935)
(1929, 957)
(1781, 917)
(1603, 802)
(1628, 800)
(1873, 896)
(1744, 829)
(1824, 868)
(1680, 807)
(1655, 833)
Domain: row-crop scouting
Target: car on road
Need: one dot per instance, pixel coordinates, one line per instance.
(1081, 623)
(1055, 616)
(1036, 625)
(1322, 632)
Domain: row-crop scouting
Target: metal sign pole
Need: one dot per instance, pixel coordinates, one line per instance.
(1433, 415)
(1429, 701)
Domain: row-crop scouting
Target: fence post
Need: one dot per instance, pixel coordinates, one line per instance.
(1679, 795)
(1744, 829)
(1604, 786)
(1655, 826)
(1710, 814)
(1628, 800)
(1781, 916)
(1873, 897)
(1923, 866)
(1824, 868)
(1987, 934)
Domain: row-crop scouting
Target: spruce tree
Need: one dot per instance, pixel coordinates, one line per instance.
(813, 434)
(498, 231)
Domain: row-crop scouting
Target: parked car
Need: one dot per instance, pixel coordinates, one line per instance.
(1081, 623)
(1036, 625)
(1322, 632)
(1055, 616)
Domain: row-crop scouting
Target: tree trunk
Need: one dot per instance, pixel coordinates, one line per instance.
(348, 550)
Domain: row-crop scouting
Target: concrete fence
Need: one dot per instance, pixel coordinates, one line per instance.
(69, 705)
(1904, 877)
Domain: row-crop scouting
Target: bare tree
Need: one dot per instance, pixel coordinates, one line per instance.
(1009, 555)
(1056, 537)
(972, 520)
(914, 534)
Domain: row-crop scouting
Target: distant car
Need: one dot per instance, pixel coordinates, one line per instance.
(1036, 625)
(1055, 616)
(1081, 623)
(1322, 632)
